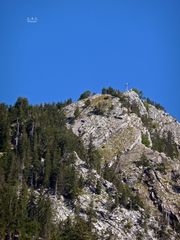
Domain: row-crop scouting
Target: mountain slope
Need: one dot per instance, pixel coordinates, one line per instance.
(104, 167)
(138, 143)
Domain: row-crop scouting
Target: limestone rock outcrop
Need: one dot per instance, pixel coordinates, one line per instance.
(140, 144)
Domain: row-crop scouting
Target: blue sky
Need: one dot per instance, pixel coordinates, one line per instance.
(80, 45)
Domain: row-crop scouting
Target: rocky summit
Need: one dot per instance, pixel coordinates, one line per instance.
(136, 192)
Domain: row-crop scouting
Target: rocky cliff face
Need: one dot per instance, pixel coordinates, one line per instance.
(139, 145)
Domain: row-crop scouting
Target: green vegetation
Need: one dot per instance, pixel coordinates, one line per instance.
(135, 109)
(161, 167)
(165, 144)
(145, 140)
(132, 107)
(76, 112)
(117, 143)
(112, 92)
(87, 103)
(101, 104)
(77, 230)
(119, 94)
(94, 157)
(148, 101)
(100, 108)
(85, 95)
(125, 196)
(157, 105)
(146, 105)
(37, 156)
(147, 122)
(139, 92)
(26, 215)
(163, 233)
(4, 128)
(98, 187)
(128, 225)
(144, 162)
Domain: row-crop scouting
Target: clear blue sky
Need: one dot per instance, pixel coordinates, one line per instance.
(90, 44)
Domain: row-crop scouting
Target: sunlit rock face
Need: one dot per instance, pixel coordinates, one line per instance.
(140, 144)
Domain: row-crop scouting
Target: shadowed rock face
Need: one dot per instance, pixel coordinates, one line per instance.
(125, 136)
